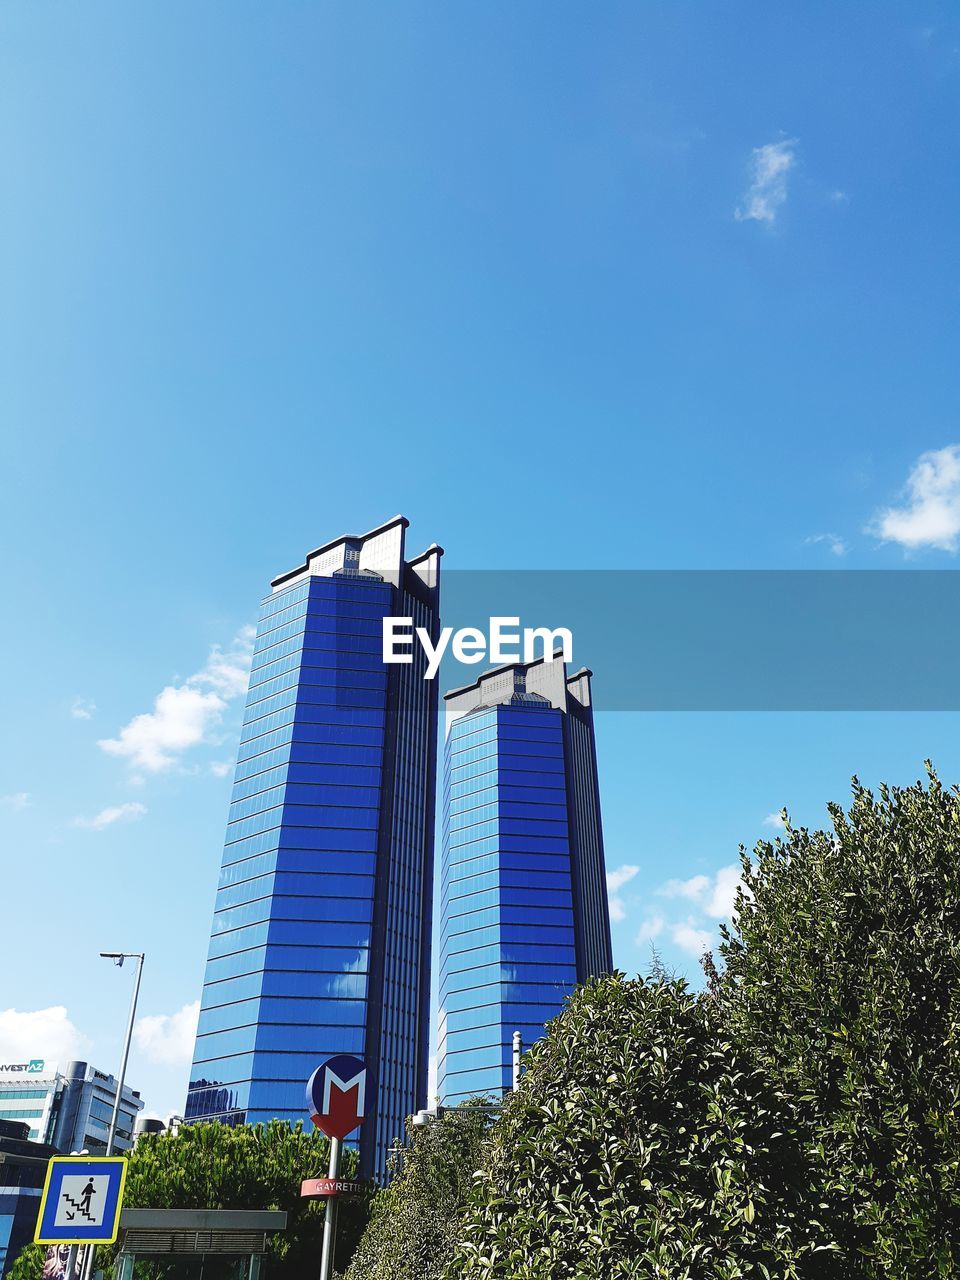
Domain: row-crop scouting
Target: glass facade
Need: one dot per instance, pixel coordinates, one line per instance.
(320, 938)
(523, 906)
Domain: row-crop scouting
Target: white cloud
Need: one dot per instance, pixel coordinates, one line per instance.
(707, 901)
(17, 800)
(40, 1033)
(832, 540)
(229, 672)
(713, 896)
(168, 1038)
(723, 894)
(690, 938)
(184, 715)
(930, 516)
(220, 768)
(129, 812)
(650, 928)
(769, 166)
(775, 820)
(83, 709)
(695, 888)
(616, 879)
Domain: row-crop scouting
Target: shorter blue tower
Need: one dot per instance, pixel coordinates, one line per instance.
(524, 914)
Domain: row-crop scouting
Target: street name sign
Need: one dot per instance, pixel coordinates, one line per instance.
(331, 1187)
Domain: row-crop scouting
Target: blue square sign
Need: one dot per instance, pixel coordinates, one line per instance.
(81, 1200)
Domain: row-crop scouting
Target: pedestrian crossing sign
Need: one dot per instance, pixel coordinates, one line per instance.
(81, 1202)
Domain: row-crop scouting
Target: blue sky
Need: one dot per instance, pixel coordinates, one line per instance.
(635, 286)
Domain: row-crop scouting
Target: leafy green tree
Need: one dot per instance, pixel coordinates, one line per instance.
(215, 1166)
(28, 1264)
(842, 975)
(642, 1143)
(248, 1167)
(415, 1220)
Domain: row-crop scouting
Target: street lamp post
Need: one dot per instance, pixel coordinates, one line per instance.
(118, 958)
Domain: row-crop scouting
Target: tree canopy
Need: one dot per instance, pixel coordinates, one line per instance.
(642, 1143)
(798, 1120)
(415, 1221)
(842, 975)
(216, 1166)
(801, 1117)
(248, 1167)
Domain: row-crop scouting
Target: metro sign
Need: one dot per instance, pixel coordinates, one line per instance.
(338, 1095)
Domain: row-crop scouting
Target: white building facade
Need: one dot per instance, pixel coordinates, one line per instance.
(69, 1107)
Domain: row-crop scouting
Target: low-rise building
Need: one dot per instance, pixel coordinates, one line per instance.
(68, 1108)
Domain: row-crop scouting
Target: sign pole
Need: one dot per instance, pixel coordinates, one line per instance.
(71, 1271)
(330, 1218)
(338, 1098)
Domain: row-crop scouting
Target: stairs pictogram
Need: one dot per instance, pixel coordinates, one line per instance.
(78, 1207)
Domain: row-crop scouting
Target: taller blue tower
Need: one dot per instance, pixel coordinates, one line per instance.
(321, 930)
(523, 914)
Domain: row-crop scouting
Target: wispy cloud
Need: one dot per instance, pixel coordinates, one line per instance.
(650, 929)
(184, 715)
(707, 899)
(832, 541)
(39, 1033)
(17, 800)
(616, 879)
(83, 709)
(108, 817)
(769, 167)
(713, 896)
(775, 820)
(692, 939)
(168, 1038)
(220, 768)
(930, 514)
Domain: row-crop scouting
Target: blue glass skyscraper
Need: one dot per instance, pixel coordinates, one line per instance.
(321, 930)
(524, 913)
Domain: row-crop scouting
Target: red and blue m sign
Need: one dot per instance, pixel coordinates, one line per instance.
(338, 1095)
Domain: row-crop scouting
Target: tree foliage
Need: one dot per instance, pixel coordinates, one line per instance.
(843, 976)
(800, 1120)
(642, 1143)
(28, 1264)
(415, 1220)
(215, 1166)
(247, 1167)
